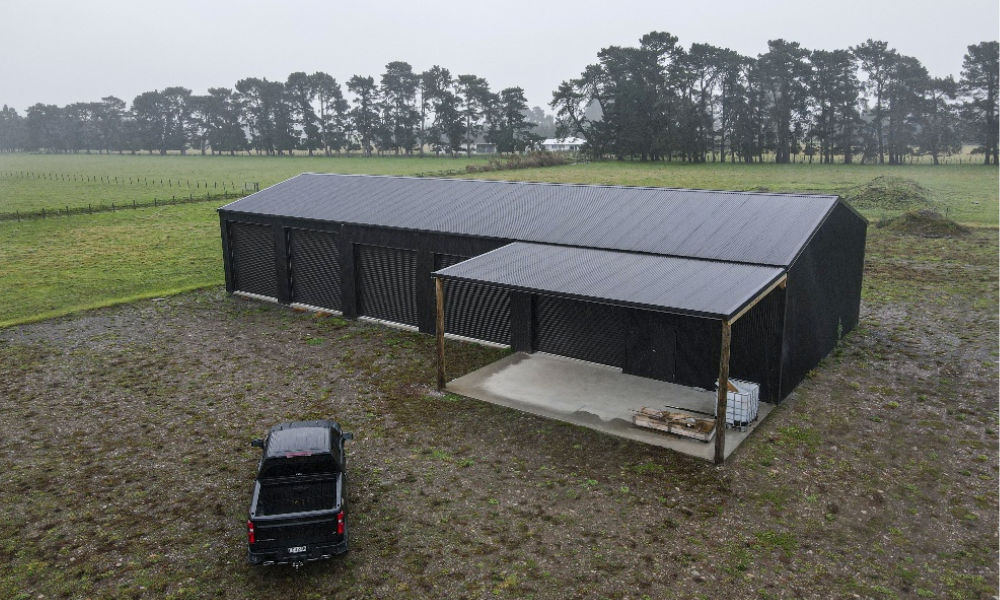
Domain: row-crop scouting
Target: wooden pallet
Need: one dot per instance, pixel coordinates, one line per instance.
(675, 423)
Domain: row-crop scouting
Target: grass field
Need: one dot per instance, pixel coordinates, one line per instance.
(188, 175)
(52, 267)
(61, 265)
(968, 193)
(71, 263)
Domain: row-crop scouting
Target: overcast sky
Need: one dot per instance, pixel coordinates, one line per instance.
(78, 51)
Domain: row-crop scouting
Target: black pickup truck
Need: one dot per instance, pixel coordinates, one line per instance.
(299, 508)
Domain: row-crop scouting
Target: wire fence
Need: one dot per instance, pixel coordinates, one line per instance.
(90, 209)
(196, 184)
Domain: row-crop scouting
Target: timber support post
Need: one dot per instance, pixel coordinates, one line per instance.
(723, 396)
(439, 293)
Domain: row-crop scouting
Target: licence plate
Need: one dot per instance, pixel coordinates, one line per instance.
(296, 549)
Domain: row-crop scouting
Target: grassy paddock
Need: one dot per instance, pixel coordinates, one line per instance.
(57, 266)
(21, 194)
(967, 193)
(62, 265)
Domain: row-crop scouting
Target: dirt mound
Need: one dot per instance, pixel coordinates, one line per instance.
(925, 223)
(887, 192)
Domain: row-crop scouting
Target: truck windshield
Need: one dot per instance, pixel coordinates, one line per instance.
(299, 465)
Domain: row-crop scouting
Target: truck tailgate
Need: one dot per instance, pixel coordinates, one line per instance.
(295, 532)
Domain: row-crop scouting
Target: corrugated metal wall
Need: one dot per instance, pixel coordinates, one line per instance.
(699, 346)
(823, 296)
(476, 311)
(387, 287)
(251, 249)
(315, 268)
(584, 330)
(755, 351)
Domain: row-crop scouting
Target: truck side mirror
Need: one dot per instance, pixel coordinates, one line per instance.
(348, 436)
(258, 443)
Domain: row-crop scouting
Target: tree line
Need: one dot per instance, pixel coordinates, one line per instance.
(657, 101)
(402, 113)
(869, 103)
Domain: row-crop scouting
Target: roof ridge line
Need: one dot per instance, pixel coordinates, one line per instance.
(644, 253)
(584, 185)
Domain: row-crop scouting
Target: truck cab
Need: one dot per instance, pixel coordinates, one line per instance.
(298, 512)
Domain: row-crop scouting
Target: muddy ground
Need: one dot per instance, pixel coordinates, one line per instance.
(125, 468)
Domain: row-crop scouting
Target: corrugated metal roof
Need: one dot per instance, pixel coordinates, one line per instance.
(666, 283)
(748, 227)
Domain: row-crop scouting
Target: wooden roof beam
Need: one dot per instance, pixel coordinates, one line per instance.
(781, 282)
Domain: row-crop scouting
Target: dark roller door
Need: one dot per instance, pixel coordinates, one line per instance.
(472, 310)
(387, 284)
(651, 345)
(315, 268)
(251, 247)
(584, 330)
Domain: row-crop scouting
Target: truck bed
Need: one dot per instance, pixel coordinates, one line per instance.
(285, 496)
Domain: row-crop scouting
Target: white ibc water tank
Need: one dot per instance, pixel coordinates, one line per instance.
(742, 405)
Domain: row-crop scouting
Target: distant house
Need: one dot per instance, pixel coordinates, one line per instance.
(569, 144)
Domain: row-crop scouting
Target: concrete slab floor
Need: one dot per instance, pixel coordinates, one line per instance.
(596, 396)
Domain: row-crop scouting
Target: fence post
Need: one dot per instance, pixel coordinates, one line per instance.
(112, 207)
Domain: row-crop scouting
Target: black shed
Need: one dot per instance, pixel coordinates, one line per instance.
(644, 279)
